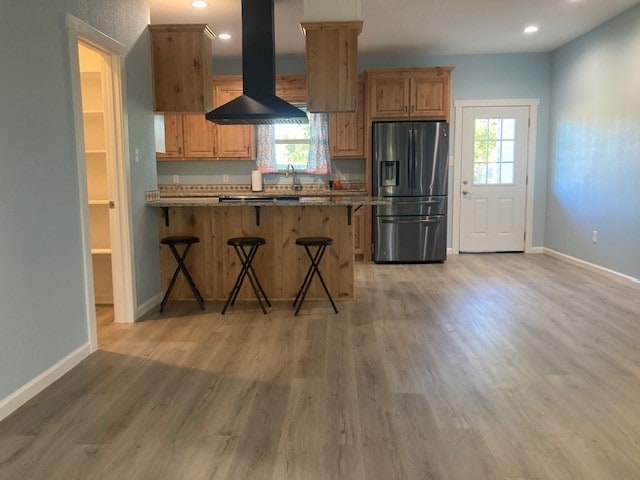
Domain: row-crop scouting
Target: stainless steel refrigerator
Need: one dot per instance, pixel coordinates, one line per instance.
(410, 167)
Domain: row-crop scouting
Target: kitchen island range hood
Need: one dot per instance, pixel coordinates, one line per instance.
(258, 104)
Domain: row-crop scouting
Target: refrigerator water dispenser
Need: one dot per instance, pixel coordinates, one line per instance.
(389, 173)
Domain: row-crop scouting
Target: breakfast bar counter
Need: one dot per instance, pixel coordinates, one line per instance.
(280, 264)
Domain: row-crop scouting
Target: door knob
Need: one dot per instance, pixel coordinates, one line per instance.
(464, 192)
(464, 182)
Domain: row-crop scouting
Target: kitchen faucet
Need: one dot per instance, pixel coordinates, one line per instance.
(295, 185)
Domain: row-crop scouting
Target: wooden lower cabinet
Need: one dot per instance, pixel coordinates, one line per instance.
(280, 264)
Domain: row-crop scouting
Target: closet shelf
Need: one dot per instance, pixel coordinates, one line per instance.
(101, 251)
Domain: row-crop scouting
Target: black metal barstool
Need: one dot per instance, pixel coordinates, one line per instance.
(239, 244)
(322, 243)
(172, 242)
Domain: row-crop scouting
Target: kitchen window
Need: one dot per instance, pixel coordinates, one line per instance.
(306, 146)
(292, 145)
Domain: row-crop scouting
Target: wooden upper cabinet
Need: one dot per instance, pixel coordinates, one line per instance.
(332, 65)
(199, 137)
(420, 93)
(430, 95)
(233, 141)
(346, 130)
(389, 95)
(292, 88)
(181, 59)
(173, 138)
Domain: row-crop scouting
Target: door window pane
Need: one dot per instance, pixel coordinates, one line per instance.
(494, 151)
(506, 173)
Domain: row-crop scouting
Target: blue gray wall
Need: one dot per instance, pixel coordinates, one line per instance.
(475, 77)
(42, 297)
(594, 169)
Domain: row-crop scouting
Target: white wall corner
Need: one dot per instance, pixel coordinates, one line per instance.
(149, 305)
(15, 400)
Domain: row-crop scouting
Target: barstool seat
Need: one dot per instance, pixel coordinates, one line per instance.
(181, 267)
(322, 243)
(246, 257)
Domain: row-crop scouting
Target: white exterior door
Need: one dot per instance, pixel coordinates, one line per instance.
(493, 188)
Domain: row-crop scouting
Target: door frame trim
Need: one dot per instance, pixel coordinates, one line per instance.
(459, 106)
(122, 252)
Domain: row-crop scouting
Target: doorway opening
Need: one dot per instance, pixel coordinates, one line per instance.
(93, 75)
(96, 63)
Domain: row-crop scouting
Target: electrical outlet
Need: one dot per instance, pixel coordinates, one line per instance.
(594, 236)
(225, 178)
(136, 155)
(176, 179)
(345, 176)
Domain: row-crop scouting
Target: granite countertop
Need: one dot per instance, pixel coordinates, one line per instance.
(256, 201)
(215, 190)
(208, 195)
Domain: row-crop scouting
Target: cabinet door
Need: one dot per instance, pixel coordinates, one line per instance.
(173, 137)
(199, 137)
(429, 96)
(346, 130)
(389, 96)
(181, 57)
(233, 141)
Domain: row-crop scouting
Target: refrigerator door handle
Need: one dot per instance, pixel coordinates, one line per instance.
(423, 202)
(412, 148)
(428, 222)
(410, 164)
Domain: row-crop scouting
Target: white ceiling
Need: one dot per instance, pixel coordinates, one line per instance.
(427, 27)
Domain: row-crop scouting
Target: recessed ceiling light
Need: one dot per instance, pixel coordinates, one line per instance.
(531, 29)
(224, 36)
(199, 4)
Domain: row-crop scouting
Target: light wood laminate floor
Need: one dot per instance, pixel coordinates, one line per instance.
(500, 366)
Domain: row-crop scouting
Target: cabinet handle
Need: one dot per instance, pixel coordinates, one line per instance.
(405, 109)
(413, 108)
(248, 150)
(334, 149)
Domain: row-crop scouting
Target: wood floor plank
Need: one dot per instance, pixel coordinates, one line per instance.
(501, 366)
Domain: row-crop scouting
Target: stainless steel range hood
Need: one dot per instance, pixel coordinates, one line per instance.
(258, 104)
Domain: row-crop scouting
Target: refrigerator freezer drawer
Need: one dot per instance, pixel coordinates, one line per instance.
(410, 239)
(414, 206)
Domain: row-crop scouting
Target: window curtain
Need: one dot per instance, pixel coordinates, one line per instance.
(318, 161)
(266, 149)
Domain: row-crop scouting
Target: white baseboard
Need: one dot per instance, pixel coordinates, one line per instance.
(536, 250)
(149, 305)
(25, 393)
(450, 251)
(589, 266)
